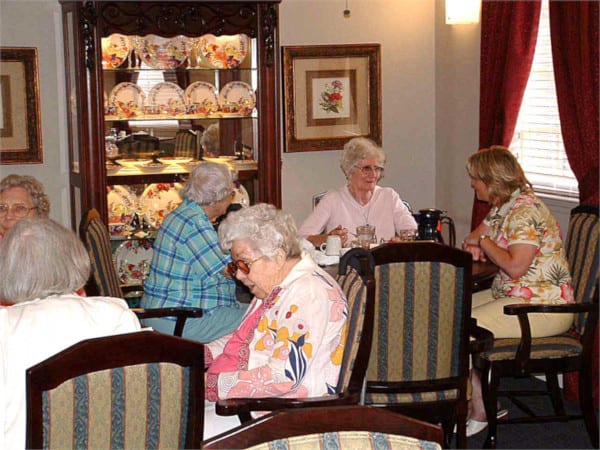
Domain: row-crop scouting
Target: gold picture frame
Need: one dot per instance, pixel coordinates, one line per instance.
(332, 94)
(20, 125)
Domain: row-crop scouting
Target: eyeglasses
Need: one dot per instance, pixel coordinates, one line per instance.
(238, 264)
(17, 209)
(377, 170)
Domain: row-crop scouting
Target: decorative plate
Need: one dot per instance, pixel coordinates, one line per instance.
(219, 159)
(133, 163)
(241, 195)
(127, 99)
(132, 260)
(121, 202)
(175, 159)
(203, 96)
(237, 98)
(223, 52)
(115, 50)
(151, 167)
(160, 199)
(168, 97)
(162, 53)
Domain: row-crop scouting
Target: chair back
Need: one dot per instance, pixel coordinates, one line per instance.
(138, 144)
(581, 245)
(355, 277)
(136, 390)
(421, 331)
(317, 198)
(94, 234)
(360, 427)
(186, 144)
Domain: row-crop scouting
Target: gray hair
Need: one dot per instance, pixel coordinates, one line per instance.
(265, 228)
(358, 149)
(34, 188)
(40, 258)
(208, 183)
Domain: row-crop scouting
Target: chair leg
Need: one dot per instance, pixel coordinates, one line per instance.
(587, 406)
(555, 394)
(489, 389)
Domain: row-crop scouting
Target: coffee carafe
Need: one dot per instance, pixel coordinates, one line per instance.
(430, 222)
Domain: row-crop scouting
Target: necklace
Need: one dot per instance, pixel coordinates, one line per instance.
(368, 205)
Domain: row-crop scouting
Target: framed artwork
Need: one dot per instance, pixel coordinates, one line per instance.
(332, 93)
(20, 126)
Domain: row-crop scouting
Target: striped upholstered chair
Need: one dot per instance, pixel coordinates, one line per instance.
(420, 362)
(136, 390)
(104, 280)
(356, 280)
(567, 353)
(344, 427)
(186, 144)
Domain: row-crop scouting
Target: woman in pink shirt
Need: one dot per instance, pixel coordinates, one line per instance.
(361, 201)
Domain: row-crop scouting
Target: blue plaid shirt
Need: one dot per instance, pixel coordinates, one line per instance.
(187, 262)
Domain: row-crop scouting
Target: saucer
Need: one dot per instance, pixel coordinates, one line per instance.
(326, 260)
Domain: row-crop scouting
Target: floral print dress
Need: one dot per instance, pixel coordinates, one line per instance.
(525, 219)
(294, 347)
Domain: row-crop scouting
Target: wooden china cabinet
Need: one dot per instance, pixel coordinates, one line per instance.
(92, 80)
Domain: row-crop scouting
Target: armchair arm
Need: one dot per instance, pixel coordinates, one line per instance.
(521, 310)
(182, 314)
(243, 406)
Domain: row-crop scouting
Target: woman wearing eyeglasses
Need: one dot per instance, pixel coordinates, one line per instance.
(361, 201)
(188, 268)
(21, 196)
(290, 341)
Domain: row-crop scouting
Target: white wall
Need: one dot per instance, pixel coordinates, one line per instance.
(38, 24)
(405, 30)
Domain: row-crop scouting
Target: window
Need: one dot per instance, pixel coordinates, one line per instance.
(537, 141)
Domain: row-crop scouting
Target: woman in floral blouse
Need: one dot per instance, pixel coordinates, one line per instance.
(291, 339)
(523, 239)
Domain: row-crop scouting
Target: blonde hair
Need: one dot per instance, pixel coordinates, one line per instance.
(499, 169)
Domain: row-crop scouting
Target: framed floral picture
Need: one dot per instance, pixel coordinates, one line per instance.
(332, 94)
(20, 125)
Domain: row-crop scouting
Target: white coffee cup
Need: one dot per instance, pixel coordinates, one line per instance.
(333, 246)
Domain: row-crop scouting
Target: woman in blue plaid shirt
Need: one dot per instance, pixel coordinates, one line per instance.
(188, 267)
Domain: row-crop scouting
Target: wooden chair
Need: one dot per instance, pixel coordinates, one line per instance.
(420, 362)
(568, 352)
(356, 280)
(359, 427)
(104, 280)
(136, 390)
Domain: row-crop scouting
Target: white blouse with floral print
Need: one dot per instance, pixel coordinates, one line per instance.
(525, 219)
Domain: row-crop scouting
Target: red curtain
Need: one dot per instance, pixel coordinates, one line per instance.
(508, 38)
(574, 35)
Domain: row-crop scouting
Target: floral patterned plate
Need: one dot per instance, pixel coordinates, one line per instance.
(115, 50)
(237, 99)
(121, 203)
(162, 53)
(132, 261)
(160, 200)
(202, 96)
(223, 52)
(127, 100)
(168, 97)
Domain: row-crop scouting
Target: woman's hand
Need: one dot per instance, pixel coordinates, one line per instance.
(341, 232)
(475, 250)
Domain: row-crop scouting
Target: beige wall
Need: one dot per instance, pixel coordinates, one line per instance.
(38, 24)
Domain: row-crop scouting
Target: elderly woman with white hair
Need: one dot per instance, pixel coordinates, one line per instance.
(44, 267)
(361, 201)
(290, 341)
(188, 268)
